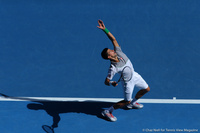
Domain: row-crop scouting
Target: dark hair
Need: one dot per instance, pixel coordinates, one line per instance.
(104, 53)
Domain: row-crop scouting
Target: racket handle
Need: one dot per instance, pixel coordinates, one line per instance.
(110, 82)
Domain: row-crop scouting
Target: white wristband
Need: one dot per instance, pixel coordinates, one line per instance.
(110, 82)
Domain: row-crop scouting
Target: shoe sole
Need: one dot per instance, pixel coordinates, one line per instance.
(134, 107)
(108, 117)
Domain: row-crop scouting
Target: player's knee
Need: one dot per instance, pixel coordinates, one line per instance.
(148, 89)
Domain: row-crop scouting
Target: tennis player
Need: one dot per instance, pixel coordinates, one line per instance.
(118, 60)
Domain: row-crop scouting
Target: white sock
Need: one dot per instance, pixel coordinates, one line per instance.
(133, 101)
(111, 109)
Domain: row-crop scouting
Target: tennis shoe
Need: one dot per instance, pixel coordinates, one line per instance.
(135, 106)
(109, 115)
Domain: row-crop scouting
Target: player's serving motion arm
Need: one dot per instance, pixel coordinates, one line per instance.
(109, 34)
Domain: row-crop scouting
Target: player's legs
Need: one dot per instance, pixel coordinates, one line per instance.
(142, 92)
(144, 88)
(142, 85)
(128, 91)
(121, 104)
(127, 99)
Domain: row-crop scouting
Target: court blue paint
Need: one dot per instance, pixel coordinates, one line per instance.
(52, 49)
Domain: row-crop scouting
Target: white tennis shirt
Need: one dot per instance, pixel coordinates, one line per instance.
(117, 67)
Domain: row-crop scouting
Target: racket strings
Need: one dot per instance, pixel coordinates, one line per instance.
(127, 74)
(48, 129)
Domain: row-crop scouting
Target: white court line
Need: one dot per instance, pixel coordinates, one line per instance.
(171, 101)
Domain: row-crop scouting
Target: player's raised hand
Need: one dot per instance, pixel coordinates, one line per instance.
(101, 25)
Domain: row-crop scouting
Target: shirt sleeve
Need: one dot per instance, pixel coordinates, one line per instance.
(111, 72)
(117, 49)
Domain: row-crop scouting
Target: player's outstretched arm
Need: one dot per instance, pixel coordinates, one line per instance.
(110, 35)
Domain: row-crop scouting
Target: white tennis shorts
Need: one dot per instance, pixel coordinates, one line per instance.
(136, 81)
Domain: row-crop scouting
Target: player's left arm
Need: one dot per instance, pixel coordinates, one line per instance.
(111, 73)
(108, 33)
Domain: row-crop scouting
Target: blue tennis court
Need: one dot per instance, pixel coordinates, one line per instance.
(50, 50)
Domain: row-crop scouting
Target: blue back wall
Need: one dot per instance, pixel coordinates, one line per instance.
(52, 48)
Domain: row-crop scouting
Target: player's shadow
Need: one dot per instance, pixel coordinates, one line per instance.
(55, 108)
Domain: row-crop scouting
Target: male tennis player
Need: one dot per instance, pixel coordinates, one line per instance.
(118, 60)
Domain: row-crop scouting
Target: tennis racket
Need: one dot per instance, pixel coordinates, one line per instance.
(48, 129)
(126, 75)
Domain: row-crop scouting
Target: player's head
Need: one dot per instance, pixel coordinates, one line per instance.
(104, 54)
(108, 54)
